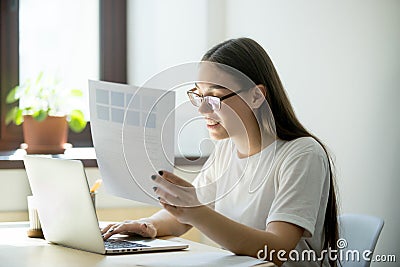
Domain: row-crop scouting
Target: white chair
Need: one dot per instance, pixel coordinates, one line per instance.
(358, 232)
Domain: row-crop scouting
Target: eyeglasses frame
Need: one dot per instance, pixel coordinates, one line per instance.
(222, 98)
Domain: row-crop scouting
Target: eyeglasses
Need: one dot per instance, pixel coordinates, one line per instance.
(213, 102)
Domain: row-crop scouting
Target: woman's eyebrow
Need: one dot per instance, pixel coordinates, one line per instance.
(214, 86)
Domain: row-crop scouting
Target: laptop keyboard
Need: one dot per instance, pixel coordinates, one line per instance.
(121, 244)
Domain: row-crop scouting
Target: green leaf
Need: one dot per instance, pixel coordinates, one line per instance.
(76, 92)
(40, 115)
(77, 121)
(10, 116)
(19, 118)
(39, 77)
(14, 115)
(11, 96)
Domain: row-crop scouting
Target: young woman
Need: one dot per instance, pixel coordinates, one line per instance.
(267, 187)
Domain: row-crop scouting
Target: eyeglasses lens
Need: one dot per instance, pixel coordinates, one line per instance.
(195, 99)
(213, 102)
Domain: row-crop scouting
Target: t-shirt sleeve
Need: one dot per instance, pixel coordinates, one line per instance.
(299, 190)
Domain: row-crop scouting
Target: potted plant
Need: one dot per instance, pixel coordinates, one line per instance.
(45, 111)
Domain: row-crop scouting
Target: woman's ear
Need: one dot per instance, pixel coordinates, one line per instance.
(258, 94)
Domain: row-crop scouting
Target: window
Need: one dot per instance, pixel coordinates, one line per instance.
(15, 54)
(60, 40)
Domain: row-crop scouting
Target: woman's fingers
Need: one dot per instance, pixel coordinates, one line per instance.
(172, 188)
(166, 197)
(172, 178)
(144, 229)
(115, 229)
(105, 229)
(182, 197)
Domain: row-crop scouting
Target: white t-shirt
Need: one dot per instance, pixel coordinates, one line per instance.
(287, 181)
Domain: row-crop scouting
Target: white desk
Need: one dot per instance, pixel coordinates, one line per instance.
(17, 250)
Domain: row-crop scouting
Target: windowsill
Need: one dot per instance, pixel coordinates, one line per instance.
(14, 159)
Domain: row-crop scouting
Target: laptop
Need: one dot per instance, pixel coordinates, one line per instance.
(67, 214)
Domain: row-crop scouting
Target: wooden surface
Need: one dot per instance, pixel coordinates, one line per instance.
(16, 249)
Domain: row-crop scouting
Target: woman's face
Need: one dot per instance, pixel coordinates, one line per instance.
(230, 121)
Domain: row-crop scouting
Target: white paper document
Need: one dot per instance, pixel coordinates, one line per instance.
(133, 135)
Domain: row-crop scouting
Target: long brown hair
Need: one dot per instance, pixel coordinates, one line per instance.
(248, 57)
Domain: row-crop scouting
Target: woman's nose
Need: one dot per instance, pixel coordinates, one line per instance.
(205, 108)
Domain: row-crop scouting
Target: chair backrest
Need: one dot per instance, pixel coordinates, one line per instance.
(358, 232)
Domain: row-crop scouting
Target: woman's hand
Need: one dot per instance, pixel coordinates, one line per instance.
(134, 227)
(177, 196)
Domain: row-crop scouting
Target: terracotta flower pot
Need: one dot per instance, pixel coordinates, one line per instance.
(45, 137)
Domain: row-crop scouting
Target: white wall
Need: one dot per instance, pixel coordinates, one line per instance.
(339, 62)
(163, 34)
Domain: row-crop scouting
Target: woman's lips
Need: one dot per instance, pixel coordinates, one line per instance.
(212, 124)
